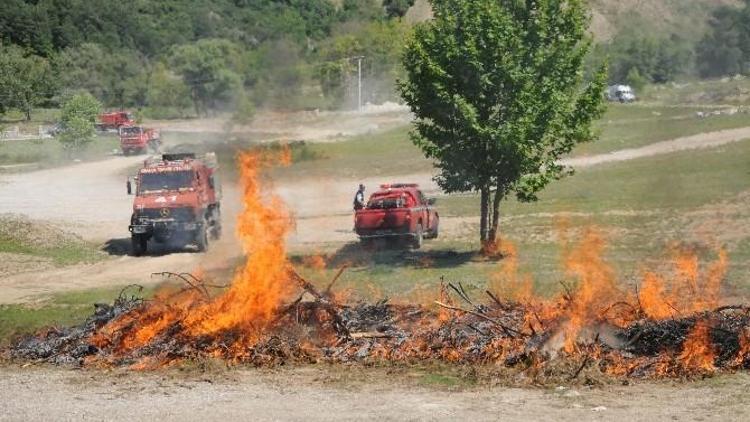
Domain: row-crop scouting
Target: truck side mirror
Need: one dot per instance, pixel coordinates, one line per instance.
(129, 185)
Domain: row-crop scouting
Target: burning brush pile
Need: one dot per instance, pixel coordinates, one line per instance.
(671, 325)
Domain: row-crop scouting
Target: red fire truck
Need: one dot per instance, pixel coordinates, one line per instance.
(177, 202)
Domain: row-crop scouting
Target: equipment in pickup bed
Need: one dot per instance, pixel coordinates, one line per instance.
(177, 202)
(398, 211)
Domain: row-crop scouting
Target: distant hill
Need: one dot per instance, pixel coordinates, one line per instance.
(685, 17)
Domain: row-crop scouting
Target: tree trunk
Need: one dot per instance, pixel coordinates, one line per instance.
(484, 215)
(196, 103)
(495, 225)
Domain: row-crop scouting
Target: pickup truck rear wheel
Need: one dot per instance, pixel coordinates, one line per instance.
(139, 244)
(367, 243)
(215, 219)
(418, 237)
(436, 231)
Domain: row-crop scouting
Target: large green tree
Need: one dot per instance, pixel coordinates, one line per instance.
(77, 117)
(498, 93)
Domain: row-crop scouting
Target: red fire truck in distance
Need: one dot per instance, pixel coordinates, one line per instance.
(138, 140)
(114, 120)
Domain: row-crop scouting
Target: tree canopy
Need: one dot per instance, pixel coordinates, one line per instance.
(215, 54)
(498, 93)
(26, 81)
(725, 50)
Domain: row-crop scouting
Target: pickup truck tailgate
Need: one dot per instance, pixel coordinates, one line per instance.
(381, 221)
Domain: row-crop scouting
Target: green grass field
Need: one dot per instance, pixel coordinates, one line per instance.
(636, 125)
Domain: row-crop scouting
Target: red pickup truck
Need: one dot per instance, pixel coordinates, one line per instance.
(398, 211)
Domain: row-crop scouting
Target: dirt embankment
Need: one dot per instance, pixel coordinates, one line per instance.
(322, 394)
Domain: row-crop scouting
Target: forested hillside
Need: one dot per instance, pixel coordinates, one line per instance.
(178, 58)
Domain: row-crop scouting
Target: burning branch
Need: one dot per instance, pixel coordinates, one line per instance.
(507, 330)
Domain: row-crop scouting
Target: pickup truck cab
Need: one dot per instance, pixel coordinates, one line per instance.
(400, 212)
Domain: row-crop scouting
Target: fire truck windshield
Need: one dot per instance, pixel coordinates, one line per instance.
(170, 180)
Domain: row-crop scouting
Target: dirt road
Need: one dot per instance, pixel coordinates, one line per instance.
(308, 394)
(89, 198)
(700, 141)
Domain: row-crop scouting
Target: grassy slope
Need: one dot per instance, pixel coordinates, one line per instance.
(20, 235)
(67, 254)
(50, 152)
(63, 309)
(675, 181)
(610, 16)
(686, 17)
(641, 207)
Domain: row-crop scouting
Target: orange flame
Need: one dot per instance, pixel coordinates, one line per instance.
(689, 291)
(697, 351)
(508, 283)
(257, 290)
(262, 283)
(597, 287)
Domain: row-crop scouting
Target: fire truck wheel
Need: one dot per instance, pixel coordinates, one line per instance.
(216, 232)
(139, 244)
(201, 240)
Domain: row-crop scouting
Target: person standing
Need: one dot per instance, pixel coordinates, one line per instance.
(359, 198)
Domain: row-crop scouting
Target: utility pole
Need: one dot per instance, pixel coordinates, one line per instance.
(359, 82)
